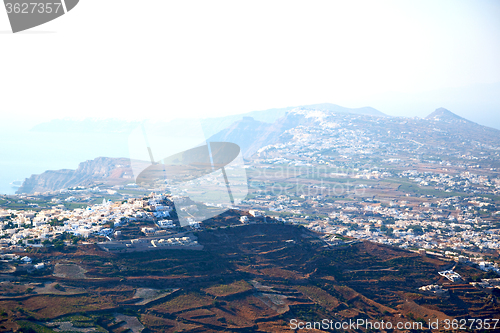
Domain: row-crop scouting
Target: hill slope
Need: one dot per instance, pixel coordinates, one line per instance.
(443, 114)
(250, 278)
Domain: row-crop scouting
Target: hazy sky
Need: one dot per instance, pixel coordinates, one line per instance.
(209, 58)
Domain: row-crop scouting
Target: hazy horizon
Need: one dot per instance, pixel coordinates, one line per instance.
(221, 58)
(206, 60)
(485, 112)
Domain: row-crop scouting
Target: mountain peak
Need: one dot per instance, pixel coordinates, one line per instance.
(443, 114)
(367, 111)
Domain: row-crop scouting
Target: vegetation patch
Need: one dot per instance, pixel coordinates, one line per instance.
(229, 289)
(184, 302)
(71, 271)
(29, 327)
(320, 296)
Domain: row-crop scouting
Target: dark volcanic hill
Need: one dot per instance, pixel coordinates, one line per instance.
(248, 278)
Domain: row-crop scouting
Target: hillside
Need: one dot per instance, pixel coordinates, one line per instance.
(443, 114)
(210, 126)
(251, 135)
(250, 278)
(442, 134)
(333, 108)
(461, 128)
(442, 128)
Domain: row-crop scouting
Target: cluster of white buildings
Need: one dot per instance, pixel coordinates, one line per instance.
(434, 288)
(459, 223)
(174, 241)
(465, 181)
(19, 229)
(451, 275)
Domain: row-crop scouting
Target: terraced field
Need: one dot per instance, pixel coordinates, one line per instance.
(248, 278)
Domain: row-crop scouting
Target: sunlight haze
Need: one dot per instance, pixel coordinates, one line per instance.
(199, 59)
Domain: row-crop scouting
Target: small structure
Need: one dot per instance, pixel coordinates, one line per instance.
(40, 266)
(451, 275)
(256, 213)
(148, 231)
(195, 224)
(434, 288)
(166, 224)
(26, 259)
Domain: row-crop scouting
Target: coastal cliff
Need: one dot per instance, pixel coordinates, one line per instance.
(101, 169)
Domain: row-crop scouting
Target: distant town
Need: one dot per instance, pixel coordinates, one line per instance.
(343, 176)
(352, 204)
(463, 229)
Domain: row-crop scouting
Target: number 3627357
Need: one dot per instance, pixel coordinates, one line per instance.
(33, 7)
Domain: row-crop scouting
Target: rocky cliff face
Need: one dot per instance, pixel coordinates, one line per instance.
(101, 169)
(251, 135)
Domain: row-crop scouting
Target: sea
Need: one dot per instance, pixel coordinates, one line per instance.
(24, 152)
